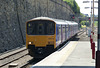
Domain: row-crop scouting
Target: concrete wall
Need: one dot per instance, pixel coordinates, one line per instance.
(14, 14)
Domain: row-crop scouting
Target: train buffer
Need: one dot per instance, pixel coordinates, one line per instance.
(75, 54)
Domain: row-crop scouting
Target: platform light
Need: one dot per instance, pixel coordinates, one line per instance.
(87, 7)
(86, 1)
(91, 7)
(89, 1)
(94, 1)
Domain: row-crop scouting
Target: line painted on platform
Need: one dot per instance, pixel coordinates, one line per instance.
(66, 52)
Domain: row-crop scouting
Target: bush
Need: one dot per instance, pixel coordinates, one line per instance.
(73, 5)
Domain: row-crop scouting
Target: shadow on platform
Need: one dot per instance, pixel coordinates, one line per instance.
(62, 67)
(77, 67)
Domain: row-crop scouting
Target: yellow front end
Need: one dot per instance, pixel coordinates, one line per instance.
(41, 41)
(40, 37)
(40, 46)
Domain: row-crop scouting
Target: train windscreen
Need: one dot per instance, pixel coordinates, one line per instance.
(40, 27)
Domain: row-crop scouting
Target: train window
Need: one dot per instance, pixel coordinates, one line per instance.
(50, 28)
(67, 27)
(41, 27)
(30, 28)
(59, 28)
(63, 29)
(64, 26)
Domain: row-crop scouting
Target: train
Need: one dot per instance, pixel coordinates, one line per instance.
(44, 35)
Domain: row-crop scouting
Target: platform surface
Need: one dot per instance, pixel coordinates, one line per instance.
(76, 54)
(81, 57)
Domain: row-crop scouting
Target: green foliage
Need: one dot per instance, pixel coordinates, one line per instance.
(84, 23)
(96, 23)
(73, 5)
(87, 23)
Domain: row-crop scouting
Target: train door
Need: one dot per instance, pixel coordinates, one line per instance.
(68, 31)
(63, 32)
(71, 30)
(58, 35)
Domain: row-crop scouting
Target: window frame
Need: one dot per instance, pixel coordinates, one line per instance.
(44, 27)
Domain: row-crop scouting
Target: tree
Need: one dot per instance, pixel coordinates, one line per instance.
(73, 5)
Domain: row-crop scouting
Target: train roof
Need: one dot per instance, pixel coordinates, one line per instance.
(42, 18)
(57, 21)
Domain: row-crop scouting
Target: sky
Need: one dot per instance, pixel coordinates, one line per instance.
(86, 11)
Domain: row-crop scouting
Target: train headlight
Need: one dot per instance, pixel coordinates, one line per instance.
(29, 42)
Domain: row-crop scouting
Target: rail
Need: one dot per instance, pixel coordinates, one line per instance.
(10, 57)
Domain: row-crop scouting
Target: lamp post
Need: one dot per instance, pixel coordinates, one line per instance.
(92, 16)
(98, 47)
(93, 23)
(92, 32)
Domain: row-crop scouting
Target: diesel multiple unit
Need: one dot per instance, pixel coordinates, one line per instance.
(44, 35)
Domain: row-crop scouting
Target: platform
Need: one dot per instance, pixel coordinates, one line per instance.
(75, 54)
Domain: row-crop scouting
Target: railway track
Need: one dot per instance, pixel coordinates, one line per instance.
(80, 32)
(16, 58)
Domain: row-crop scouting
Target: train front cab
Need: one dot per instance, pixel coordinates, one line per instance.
(40, 38)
